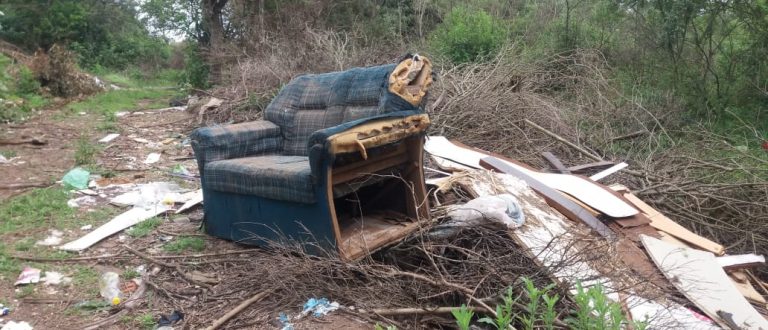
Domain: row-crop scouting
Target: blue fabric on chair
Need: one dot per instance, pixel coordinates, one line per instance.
(285, 178)
(258, 183)
(235, 141)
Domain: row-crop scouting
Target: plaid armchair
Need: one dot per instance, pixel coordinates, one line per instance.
(277, 178)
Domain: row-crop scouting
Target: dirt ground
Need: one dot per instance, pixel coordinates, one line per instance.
(141, 133)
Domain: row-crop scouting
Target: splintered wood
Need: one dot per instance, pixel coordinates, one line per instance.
(572, 255)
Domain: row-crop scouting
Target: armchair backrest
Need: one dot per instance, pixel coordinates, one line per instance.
(317, 101)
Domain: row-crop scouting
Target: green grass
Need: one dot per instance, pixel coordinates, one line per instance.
(35, 211)
(86, 278)
(130, 274)
(115, 101)
(8, 153)
(185, 243)
(86, 151)
(145, 321)
(145, 227)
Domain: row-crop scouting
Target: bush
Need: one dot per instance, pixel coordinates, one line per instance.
(26, 83)
(196, 70)
(468, 35)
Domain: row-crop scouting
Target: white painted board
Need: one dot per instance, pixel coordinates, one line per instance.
(699, 276)
(452, 156)
(118, 223)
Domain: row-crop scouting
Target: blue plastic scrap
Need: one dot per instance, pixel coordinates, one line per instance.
(319, 307)
(4, 310)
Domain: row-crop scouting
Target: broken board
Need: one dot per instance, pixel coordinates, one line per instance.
(700, 278)
(118, 223)
(661, 222)
(549, 239)
(449, 155)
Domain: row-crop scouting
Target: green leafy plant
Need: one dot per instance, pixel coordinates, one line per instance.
(145, 227)
(86, 151)
(504, 315)
(463, 316)
(594, 310)
(181, 244)
(381, 327)
(468, 35)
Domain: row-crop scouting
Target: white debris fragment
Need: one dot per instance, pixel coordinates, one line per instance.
(503, 208)
(152, 158)
(11, 325)
(53, 239)
(81, 201)
(109, 138)
(86, 227)
(55, 278)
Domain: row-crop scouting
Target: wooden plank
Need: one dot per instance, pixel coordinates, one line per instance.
(741, 261)
(553, 197)
(661, 222)
(697, 275)
(361, 237)
(584, 167)
(741, 281)
(611, 170)
(552, 159)
(451, 156)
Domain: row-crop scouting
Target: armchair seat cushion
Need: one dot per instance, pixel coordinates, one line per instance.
(285, 178)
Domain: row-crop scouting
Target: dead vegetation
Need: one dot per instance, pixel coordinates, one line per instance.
(57, 70)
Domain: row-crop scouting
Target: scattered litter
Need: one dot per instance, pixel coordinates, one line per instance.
(194, 199)
(318, 307)
(285, 321)
(180, 169)
(53, 239)
(4, 311)
(80, 201)
(86, 227)
(172, 319)
(503, 208)
(151, 194)
(152, 158)
(77, 178)
(118, 223)
(109, 287)
(11, 325)
(3, 160)
(130, 286)
(28, 275)
(121, 114)
(55, 278)
(109, 138)
(140, 140)
(89, 192)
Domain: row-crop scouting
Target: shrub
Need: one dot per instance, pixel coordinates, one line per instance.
(468, 35)
(196, 70)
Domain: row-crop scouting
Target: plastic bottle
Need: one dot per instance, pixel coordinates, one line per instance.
(109, 287)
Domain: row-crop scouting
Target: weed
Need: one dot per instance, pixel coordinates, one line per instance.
(24, 244)
(8, 153)
(145, 227)
(145, 321)
(40, 207)
(186, 243)
(381, 327)
(124, 100)
(130, 274)
(504, 316)
(86, 151)
(86, 279)
(463, 316)
(25, 291)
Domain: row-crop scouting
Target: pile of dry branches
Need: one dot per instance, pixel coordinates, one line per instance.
(423, 271)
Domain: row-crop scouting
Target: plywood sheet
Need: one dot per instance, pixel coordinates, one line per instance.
(701, 279)
(450, 156)
(360, 237)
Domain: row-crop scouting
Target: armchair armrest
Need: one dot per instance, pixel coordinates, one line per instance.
(234, 141)
(363, 134)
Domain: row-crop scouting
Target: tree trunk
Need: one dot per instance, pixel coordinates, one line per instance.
(214, 27)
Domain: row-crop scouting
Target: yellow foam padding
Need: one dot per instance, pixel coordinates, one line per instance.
(411, 79)
(377, 133)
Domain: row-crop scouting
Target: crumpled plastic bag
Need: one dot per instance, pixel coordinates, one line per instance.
(77, 178)
(503, 208)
